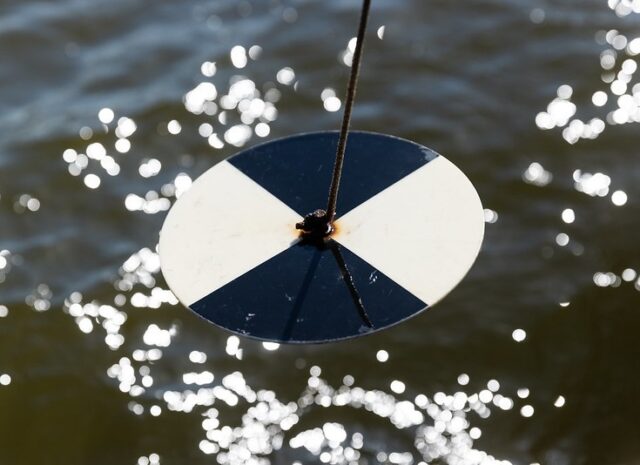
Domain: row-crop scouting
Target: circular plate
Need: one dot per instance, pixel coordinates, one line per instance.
(409, 226)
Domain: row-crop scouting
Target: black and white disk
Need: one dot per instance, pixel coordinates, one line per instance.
(409, 226)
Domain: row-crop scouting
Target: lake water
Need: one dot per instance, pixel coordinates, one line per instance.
(109, 109)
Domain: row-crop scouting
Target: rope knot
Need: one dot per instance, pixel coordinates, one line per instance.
(315, 225)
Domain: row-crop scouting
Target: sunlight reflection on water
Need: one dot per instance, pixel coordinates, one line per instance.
(618, 68)
(159, 371)
(444, 426)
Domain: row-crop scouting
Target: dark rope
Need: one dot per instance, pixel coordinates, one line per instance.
(351, 285)
(348, 106)
(319, 224)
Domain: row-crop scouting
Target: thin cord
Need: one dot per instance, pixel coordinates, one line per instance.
(351, 285)
(346, 118)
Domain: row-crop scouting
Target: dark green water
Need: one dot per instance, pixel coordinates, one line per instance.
(99, 366)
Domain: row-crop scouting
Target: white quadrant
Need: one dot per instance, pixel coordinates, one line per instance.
(223, 227)
(424, 231)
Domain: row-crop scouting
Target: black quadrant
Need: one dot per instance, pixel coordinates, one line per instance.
(297, 169)
(301, 296)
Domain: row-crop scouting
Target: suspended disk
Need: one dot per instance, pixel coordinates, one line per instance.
(409, 226)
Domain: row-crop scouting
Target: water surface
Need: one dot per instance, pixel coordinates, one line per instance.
(109, 109)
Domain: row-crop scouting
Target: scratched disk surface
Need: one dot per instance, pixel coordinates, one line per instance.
(409, 226)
